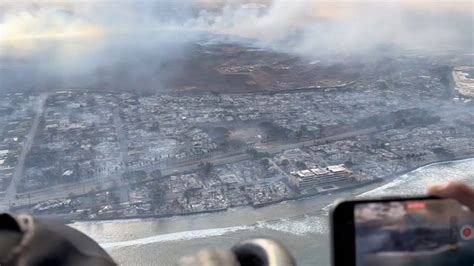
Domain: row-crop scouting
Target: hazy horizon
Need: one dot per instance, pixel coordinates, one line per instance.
(88, 43)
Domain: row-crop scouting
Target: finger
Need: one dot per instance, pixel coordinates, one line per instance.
(455, 190)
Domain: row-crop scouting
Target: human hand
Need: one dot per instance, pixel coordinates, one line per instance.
(454, 190)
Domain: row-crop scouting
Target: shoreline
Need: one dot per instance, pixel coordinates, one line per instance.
(370, 185)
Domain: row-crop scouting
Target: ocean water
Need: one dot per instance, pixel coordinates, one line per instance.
(301, 225)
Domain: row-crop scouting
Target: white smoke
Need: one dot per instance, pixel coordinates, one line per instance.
(309, 27)
(102, 43)
(119, 45)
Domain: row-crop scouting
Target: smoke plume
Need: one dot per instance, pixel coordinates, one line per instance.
(135, 45)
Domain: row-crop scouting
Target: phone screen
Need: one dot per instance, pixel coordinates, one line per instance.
(414, 232)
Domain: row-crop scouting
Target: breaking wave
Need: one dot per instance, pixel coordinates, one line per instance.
(298, 226)
(295, 226)
(186, 235)
(416, 182)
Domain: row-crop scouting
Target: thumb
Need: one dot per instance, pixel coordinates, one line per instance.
(454, 190)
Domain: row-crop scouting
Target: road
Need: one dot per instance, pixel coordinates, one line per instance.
(78, 188)
(275, 147)
(18, 172)
(83, 187)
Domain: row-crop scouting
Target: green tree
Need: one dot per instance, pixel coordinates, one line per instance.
(205, 168)
(299, 135)
(301, 132)
(301, 165)
(256, 154)
(349, 163)
(155, 174)
(157, 195)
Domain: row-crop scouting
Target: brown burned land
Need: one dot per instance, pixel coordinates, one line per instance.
(217, 68)
(227, 68)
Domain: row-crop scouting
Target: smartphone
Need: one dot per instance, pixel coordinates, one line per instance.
(415, 231)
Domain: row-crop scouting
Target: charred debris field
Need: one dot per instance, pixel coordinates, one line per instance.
(225, 125)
